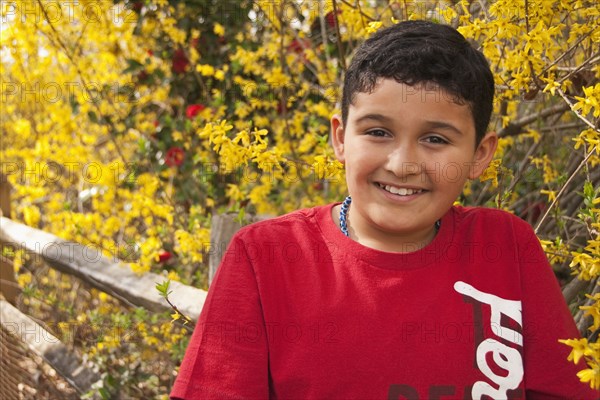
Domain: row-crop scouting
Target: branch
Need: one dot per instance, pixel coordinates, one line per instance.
(594, 58)
(572, 289)
(577, 113)
(515, 128)
(163, 291)
(563, 55)
(563, 188)
(339, 36)
(187, 320)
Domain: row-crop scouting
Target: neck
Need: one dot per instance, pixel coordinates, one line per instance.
(393, 242)
(371, 237)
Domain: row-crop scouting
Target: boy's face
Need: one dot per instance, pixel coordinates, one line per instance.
(408, 151)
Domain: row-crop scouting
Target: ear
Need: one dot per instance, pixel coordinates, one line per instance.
(337, 137)
(484, 154)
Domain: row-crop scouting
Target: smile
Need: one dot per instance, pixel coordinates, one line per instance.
(400, 191)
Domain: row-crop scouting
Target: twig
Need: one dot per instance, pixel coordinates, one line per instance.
(563, 55)
(182, 315)
(591, 60)
(339, 36)
(323, 27)
(563, 188)
(572, 106)
(515, 128)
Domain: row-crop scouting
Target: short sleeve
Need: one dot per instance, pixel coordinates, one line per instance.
(227, 357)
(546, 319)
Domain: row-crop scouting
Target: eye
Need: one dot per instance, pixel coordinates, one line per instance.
(377, 133)
(436, 140)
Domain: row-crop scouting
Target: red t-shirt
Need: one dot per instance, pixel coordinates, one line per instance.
(299, 311)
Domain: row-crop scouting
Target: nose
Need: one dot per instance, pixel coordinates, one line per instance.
(403, 161)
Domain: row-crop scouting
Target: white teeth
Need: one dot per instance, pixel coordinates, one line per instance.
(400, 191)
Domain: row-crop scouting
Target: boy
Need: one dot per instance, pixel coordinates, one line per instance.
(395, 293)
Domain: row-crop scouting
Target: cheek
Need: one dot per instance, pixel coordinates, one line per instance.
(451, 170)
(452, 173)
(359, 166)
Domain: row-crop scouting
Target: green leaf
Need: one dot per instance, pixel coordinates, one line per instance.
(588, 190)
(163, 288)
(132, 66)
(240, 216)
(104, 393)
(93, 117)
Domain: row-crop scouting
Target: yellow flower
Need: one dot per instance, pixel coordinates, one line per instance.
(373, 26)
(591, 375)
(491, 173)
(594, 312)
(467, 190)
(32, 216)
(591, 101)
(220, 75)
(24, 279)
(276, 77)
(177, 136)
(22, 128)
(580, 349)
(219, 30)
(589, 267)
(174, 276)
(205, 69)
(550, 193)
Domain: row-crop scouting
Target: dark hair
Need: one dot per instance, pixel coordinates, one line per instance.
(421, 52)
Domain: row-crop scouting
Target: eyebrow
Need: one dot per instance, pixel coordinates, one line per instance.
(430, 124)
(443, 125)
(373, 117)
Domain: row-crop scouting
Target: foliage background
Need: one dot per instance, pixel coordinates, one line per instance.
(127, 124)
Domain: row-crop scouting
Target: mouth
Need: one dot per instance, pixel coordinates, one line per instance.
(400, 191)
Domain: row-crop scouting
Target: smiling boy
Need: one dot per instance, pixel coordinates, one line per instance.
(408, 152)
(395, 293)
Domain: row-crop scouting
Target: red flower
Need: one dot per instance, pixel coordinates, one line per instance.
(193, 109)
(142, 76)
(164, 256)
(331, 19)
(180, 61)
(137, 6)
(281, 107)
(299, 45)
(174, 157)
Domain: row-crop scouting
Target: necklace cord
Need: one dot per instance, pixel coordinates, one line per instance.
(344, 217)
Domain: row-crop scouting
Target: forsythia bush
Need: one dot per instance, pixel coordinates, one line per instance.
(128, 124)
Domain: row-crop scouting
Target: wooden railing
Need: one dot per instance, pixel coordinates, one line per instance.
(33, 362)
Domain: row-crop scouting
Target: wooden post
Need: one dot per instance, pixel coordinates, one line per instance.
(8, 284)
(9, 288)
(222, 229)
(5, 189)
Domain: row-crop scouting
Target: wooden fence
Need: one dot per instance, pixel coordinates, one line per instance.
(34, 364)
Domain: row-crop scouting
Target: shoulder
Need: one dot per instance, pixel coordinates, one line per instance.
(297, 223)
(494, 225)
(490, 218)
(499, 228)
